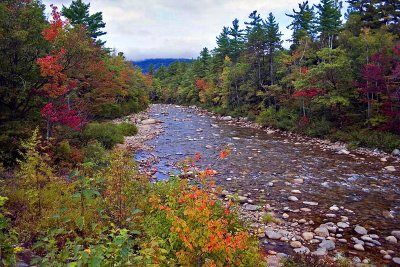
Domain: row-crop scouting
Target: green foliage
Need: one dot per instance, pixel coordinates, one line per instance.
(7, 238)
(78, 14)
(282, 119)
(95, 152)
(108, 134)
(369, 138)
(127, 129)
(269, 217)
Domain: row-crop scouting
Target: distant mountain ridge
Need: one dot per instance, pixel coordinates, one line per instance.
(157, 62)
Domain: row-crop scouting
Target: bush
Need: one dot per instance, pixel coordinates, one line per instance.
(108, 134)
(198, 228)
(318, 128)
(127, 129)
(282, 119)
(96, 153)
(369, 138)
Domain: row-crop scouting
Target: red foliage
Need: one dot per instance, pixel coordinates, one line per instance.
(51, 68)
(51, 32)
(62, 115)
(201, 84)
(308, 92)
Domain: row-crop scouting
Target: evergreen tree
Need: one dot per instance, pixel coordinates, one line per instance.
(223, 48)
(78, 14)
(273, 42)
(329, 21)
(256, 42)
(303, 22)
(237, 39)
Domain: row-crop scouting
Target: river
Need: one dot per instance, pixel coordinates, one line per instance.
(263, 165)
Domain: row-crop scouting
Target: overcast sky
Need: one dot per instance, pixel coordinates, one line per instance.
(176, 28)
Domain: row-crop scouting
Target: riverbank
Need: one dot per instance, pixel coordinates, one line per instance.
(289, 197)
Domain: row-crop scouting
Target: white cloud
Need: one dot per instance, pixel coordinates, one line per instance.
(176, 28)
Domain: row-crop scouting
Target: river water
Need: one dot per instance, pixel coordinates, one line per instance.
(263, 165)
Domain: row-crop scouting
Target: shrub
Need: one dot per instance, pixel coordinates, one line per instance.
(190, 227)
(95, 152)
(269, 217)
(106, 133)
(7, 238)
(127, 129)
(369, 138)
(318, 128)
(282, 119)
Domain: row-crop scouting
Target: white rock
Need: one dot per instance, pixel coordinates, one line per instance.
(296, 191)
(390, 168)
(295, 244)
(342, 225)
(148, 121)
(396, 260)
(273, 235)
(396, 233)
(334, 208)
(359, 247)
(391, 239)
(321, 231)
(360, 230)
(226, 118)
(327, 244)
(310, 203)
(302, 250)
(307, 236)
(298, 181)
(293, 198)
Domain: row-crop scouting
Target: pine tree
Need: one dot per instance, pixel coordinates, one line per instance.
(256, 41)
(303, 22)
(78, 14)
(329, 21)
(237, 39)
(223, 48)
(273, 42)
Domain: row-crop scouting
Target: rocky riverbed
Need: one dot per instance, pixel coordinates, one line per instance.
(299, 194)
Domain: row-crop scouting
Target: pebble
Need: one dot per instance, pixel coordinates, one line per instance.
(390, 168)
(302, 250)
(330, 215)
(327, 244)
(295, 244)
(298, 181)
(396, 233)
(305, 209)
(285, 216)
(387, 257)
(391, 239)
(359, 247)
(250, 207)
(307, 236)
(360, 230)
(322, 232)
(296, 191)
(310, 203)
(302, 221)
(320, 252)
(334, 208)
(273, 235)
(342, 240)
(343, 225)
(293, 198)
(396, 260)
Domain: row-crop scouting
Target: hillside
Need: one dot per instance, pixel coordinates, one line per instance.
(157, 62)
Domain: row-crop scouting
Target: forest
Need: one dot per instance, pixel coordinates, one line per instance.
(339, 79)
(71, 193)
